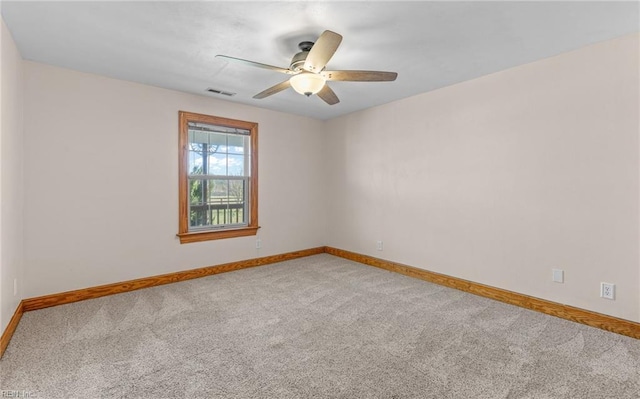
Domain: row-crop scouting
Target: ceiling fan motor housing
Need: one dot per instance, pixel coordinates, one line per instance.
(298, 60)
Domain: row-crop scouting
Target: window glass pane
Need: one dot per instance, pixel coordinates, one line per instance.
(198, 206)
(199, 137)
(237, 191)
(194, 166)
(236, 202)
(217, 164)
(218, 142)
(237, 144)
(219, 190)
(199, 191)
(236, 165)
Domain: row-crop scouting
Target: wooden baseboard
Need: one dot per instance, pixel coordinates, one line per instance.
(131, 285)
(11, 328)
(593, 319)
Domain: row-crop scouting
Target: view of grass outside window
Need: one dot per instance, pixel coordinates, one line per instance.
(218, 177)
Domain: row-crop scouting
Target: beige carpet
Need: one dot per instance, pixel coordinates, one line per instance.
(316, 327)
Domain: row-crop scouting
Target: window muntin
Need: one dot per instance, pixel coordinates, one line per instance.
(218, 177)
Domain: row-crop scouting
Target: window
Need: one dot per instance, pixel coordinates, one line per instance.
(218, 168)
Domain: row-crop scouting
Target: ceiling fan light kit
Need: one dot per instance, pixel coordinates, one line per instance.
(307, 83)
(308, 70)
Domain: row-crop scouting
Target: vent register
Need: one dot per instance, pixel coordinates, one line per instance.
(220, 92)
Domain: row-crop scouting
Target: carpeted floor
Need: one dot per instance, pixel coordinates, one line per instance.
(316, 327)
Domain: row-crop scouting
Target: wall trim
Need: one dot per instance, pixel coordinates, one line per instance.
(62, 298)
(593, 319)
(11, 328)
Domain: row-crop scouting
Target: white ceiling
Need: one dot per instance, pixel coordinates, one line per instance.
(430, 44)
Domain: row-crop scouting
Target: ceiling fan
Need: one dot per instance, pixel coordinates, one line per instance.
(308, 70)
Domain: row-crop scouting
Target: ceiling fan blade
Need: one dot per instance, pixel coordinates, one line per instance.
(322, 51)
(360, 76)
(328, 95)
(256, 64)
(273, 90)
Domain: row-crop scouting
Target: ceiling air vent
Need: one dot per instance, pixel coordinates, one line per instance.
(221, 92)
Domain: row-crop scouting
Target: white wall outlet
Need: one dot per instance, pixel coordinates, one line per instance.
(558, 275)
(607, 290)
(258, 243)
(15, 286)
(379, 245)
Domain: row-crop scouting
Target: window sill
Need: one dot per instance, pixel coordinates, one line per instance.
(198, 236)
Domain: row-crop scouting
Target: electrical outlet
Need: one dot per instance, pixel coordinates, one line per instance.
(15, 286)
(379, 245)
(558, 275)
(258, 243)
(608, 291)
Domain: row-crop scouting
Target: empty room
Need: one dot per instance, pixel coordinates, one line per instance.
(328, 199)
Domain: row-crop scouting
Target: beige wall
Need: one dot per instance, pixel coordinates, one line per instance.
(500, 179)
(11, 178)
(101, 181)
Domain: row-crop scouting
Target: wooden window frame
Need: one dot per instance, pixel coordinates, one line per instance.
(252, 227)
